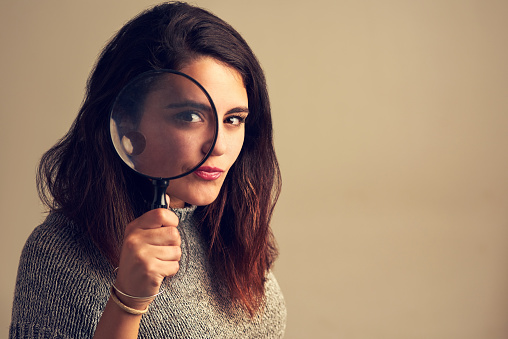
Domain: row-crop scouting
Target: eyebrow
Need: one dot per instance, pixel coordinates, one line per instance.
(240, 109)
(190, 103)
(205, 107)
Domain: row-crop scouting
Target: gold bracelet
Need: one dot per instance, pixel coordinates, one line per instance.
(125, 307)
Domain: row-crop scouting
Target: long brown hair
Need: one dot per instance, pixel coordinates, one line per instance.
(82, 177)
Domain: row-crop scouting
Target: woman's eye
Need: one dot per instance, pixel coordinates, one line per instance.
(235, 120)
(189, 116)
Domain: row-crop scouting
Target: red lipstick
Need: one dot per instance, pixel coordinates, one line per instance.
(208, 173)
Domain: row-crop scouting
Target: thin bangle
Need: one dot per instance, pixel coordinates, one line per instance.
(125, 307)
(131, 296)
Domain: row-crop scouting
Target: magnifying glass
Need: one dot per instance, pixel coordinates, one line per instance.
(164, 126)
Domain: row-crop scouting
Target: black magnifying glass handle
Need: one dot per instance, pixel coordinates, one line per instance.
(159, 193)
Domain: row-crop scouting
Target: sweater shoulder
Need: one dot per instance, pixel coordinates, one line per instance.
(58, 247)
(62, 282)
(56, 235)
(58, 243)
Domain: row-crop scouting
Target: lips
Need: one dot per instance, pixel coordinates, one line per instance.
(208, 173)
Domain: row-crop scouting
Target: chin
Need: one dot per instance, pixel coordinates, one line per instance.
(194, 192)
(195, 197)
(201, 201)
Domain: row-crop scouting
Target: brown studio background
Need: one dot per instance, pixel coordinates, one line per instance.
(391, 126)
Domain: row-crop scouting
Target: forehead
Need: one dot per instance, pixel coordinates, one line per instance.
(224, 83)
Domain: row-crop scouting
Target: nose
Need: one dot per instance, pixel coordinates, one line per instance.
(220, 145)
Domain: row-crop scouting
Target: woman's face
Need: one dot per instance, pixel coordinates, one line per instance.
(181, 138)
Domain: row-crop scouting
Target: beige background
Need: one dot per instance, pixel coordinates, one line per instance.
(391, 122)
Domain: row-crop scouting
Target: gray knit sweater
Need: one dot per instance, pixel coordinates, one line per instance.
(63, 285)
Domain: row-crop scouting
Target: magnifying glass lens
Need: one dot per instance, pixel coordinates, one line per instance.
(163, 125)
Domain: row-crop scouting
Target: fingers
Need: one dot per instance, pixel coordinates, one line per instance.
(148, 254)
(156, 218)
(170, 268)
(150, 251)
(161, 236)
(158, 261)
(168, 253)
(159, 268)
(149, 243)
(159, 217)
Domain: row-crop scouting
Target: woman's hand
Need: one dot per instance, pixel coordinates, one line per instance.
(150, 252)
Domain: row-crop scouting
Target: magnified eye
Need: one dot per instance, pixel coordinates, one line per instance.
(189, 116)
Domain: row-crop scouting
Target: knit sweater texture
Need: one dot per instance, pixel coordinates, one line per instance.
(64, 282)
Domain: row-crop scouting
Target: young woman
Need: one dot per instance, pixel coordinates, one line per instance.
(102, 266)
